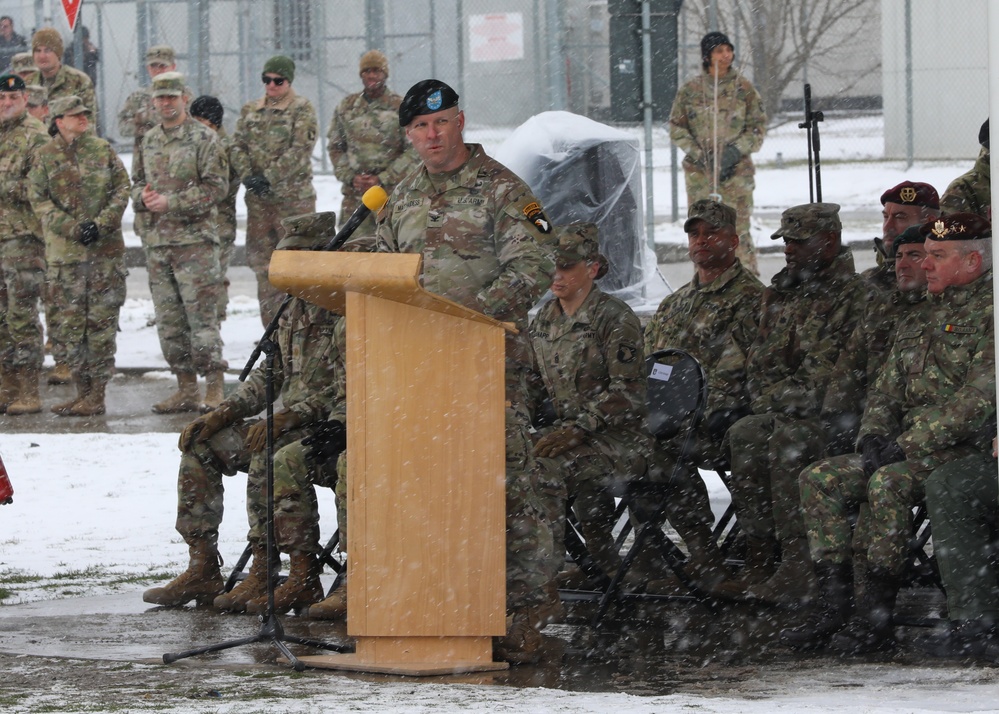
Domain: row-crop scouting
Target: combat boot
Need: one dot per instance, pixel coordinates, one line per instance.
(870, 628)
(301, 588)
(793, 581)
(758, 568)
(82, 389)
(185, 399)
(829, 614)
(28, 401)
(522, 642)
(60, 374)
(214, 390)
(333, 607)
(10, 386)
(201, 582)
(252, 586)
(92, 402)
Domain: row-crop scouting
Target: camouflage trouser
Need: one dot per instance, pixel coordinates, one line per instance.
(199, 483)
(296, 510)
(831, 490)
(737, 192)
(23, 263)
(767, 453)
(688, 506)
(52, 319)
(227, 243)
(184, 281)
(90, 295)
(963, 502)
(263, 232)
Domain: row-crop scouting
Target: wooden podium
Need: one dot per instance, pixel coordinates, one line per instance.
(426, 552)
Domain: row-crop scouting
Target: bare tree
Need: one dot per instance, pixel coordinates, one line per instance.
(786, 37)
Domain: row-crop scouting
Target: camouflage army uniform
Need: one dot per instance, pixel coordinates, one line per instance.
(274, 141)
(67, 82)
(305, 375)
(481, 249)
(970, 192)
(365, 137)
(936, 397)
(716, 323)
(186, 164)
(69, 184)
(22, 250)
(741, 122)
(803, 329)
(593, 369)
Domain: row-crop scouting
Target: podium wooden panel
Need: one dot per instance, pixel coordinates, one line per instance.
(426, 462)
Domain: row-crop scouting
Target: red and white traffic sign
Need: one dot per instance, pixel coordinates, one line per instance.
(72, 9)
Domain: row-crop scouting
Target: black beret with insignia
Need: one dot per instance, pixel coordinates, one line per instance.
(426, 97)
(11, 83)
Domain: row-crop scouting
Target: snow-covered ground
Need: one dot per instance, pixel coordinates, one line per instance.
(94, 513)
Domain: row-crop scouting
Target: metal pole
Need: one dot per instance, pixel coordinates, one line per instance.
(713, 16)
(321, 59)
(558, 86)
(460, 38)
(673, 154)
(909, 131)
(375, 24)
(650, 204)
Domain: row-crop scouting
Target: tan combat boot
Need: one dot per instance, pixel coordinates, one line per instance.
(82, 389)
(252, 586)
(60, 374)
(522, 642)
(302, 588)
(333, 607)
(28, 401)
(185, 399)
(759, 568)
(92, 402)
(794, 581)
(214, 390)
(201, 582)
(10, 387)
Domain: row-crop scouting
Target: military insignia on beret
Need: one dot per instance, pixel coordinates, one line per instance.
(434, 101)
(10, 82)
(940, 229)
(907, 194)
(626, 353)
(537, 216)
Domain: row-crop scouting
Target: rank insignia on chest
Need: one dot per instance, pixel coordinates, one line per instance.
(537, 216)
(959, 329)
(435, 219)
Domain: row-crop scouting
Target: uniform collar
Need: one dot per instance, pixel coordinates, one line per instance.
(722, 281)
(283, 104)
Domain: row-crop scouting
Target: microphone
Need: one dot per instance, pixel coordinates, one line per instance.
(371, 202)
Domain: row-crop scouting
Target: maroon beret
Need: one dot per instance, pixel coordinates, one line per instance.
(957, 226)
(912, 193)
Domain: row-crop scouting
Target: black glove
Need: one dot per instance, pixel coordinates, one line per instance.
(326, 443)
(718, 422)
(257, 185)
(726, 166)
(89, 233)
(877, 451)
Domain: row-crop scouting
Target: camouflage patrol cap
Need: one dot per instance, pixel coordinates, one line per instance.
(307, 230)
(957, 226)
(23, 62)
(912, 193)
(38, 96)
(912, 234)
(374, 59)
(808, 220)
(426, 97)
(579, 242)
(168, 84)
(160, 54)
(67, 106)
(711, 212)
(11, 83)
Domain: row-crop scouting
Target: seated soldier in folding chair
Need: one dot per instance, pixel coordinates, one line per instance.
(221, 443)
(714, 318)
(934, 402)
(588, 353)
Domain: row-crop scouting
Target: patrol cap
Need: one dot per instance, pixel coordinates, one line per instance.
(168, 84)
(912, 193)
(579, 242)
(426, 97)
(808, 220)
(711, 212)
(23, 62)
(912, 234)
(67, 106)
(957, 226)
(160, 54)
(11, 83)
(37, 95)
(374, 59)
(306, 230)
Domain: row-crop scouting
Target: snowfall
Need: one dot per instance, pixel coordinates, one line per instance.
(97, 509)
